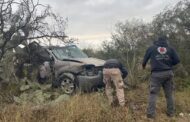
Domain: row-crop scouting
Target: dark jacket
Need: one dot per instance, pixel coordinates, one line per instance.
(114, 63)
(162, 56)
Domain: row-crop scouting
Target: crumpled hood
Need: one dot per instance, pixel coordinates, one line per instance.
(94, 61)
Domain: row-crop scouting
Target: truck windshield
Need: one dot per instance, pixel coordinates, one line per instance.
(68, 52)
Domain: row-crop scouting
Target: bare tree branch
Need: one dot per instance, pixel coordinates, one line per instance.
(28, 23)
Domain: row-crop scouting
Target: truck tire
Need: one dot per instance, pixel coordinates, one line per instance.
(67, 83)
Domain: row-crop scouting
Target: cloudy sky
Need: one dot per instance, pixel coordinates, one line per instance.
(92, 21)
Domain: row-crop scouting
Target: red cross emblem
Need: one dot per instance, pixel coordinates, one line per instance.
(162, 50)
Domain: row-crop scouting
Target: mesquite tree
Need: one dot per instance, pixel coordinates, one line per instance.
(26, 20)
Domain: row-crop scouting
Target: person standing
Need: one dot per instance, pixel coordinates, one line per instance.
(113, 74)
(162, 59)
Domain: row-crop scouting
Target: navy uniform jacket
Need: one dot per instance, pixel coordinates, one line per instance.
(162, 56)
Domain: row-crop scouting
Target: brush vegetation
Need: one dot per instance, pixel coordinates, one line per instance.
(94, 107)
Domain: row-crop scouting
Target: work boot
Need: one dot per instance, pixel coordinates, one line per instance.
(114, 104)
(150, 116)
(170, 114)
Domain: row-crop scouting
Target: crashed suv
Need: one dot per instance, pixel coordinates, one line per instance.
(71, 68)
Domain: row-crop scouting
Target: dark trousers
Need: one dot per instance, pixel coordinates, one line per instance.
(158, 80)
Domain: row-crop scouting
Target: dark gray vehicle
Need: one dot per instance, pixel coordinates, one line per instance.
(72, 69)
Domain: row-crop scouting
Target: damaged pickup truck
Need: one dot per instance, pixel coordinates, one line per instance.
(71, 68)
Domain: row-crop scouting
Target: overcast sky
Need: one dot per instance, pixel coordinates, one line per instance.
(92, 21)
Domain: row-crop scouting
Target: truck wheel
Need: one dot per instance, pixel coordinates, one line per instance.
(67, 83)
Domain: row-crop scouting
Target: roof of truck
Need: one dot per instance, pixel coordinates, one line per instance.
(52, 47)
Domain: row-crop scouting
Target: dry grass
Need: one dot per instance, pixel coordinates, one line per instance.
(94, 108)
